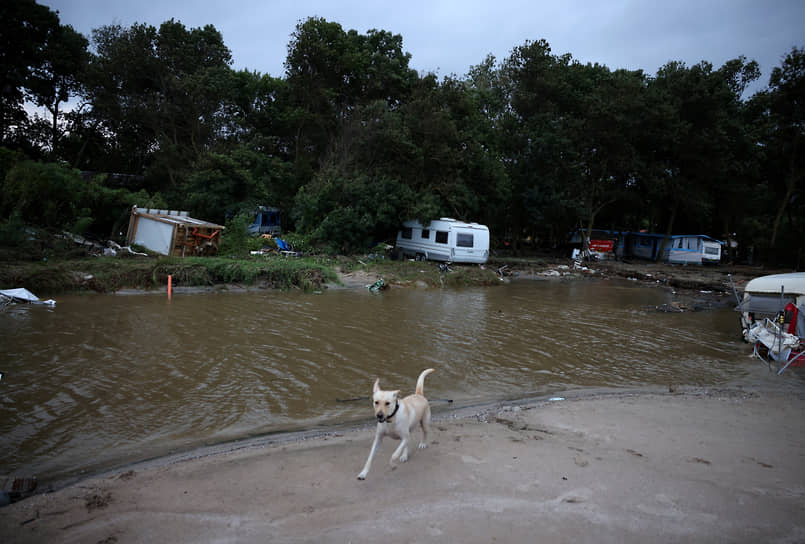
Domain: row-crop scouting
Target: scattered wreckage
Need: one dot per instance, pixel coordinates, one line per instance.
(21, 295)
(773, 318)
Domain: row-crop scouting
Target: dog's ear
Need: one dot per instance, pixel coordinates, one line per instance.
(376, 387)
(394, 394)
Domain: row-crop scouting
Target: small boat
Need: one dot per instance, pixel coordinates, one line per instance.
(773, 318)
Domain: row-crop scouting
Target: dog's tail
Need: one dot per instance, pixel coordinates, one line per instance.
(420, 382)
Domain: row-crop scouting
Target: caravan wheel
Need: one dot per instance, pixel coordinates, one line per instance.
(420, 257)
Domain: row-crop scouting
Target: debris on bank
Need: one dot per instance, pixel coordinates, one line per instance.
(377, 286)
(22, 296)
(173, 233)
(14, 489)
(96, 249)
(565, 270)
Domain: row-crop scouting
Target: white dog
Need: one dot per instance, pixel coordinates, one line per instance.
(397, 418)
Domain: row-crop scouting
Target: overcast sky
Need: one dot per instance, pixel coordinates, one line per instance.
(449, 36)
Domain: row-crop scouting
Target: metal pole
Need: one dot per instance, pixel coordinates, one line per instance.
(735, 292)
(780, 325)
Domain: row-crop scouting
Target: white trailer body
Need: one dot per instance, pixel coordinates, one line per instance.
(445, 240)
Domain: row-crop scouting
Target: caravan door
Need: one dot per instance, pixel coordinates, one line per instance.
(470, 244)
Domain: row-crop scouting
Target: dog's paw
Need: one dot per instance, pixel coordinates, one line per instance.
(362, 476)
(404, 457)
(423, 445)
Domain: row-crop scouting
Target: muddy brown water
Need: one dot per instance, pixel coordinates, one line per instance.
(101, 381)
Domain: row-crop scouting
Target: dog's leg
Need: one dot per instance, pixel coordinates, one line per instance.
(401, 453)
(425, 423)
(372, 452)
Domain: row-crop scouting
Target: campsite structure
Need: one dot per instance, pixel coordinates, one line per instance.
(445, 239)
(266, 221)
(679, 249)
(773, 318)
(174, 233)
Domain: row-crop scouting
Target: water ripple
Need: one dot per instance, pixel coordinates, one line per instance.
(108, 379)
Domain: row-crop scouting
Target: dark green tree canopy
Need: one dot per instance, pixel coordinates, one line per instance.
(351, 141)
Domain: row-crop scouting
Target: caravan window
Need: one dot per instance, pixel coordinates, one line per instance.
(711, 250)
(463, 239)
(678, 243)
(406, 233)
(425, 234)
(441, 236)
(693, 243)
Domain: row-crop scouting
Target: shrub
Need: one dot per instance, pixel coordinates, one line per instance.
(235, 239)
(48, 195)
(12, 231)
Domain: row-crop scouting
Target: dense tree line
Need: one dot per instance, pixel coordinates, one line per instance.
(352, 141)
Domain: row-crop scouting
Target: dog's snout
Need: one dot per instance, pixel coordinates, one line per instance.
(380, 416)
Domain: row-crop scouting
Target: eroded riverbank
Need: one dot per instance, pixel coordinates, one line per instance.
(709, 465)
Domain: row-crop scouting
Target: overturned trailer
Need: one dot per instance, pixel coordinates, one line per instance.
(773, 318)
(173, 233)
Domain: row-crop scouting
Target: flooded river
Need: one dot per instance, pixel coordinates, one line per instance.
(100, 381)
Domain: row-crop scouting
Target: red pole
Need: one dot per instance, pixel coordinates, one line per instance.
(170, 285)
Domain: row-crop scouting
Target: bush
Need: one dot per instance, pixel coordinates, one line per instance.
(48, 195)
(235, 240)
(12, 231)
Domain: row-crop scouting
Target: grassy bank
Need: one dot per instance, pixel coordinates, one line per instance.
(109, 274)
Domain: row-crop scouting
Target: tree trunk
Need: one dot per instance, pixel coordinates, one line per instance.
(791, 181)
(789, 190)
(80, 154)
(54, 128)
(588, 235)
(668, 231)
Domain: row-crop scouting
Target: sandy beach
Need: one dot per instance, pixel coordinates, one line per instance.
(675, 465)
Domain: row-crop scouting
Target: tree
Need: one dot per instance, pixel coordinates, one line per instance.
(241, 179)
(59, 77)
(26, 30)
(331, 72)
(158, 96)
(536, 141)
(688, 137)
(785, 103)
(604, 130)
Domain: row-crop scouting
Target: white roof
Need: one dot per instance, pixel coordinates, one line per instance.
(794, 284)
(441, 223)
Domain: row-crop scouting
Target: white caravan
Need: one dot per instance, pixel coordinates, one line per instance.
(444, 239)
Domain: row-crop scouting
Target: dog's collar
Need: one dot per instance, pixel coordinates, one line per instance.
(396, 407)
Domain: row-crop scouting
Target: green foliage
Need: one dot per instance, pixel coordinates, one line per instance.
(8, 158)
(48, 195)
(344, 213)
(55, 197)
(110, 208)
(235, 239)
(108, 274)
(277, 272)
(352, 141)
(300, 242)
(160, 92)
(12, 231)
(241, 179)
(28, 29)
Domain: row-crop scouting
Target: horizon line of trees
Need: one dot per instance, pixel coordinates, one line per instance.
(352, 141)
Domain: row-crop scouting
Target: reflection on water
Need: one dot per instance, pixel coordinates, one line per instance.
(103, 380)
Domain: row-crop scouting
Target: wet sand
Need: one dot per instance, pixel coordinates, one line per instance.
(688, 465)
